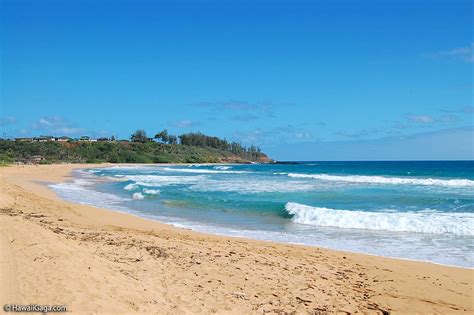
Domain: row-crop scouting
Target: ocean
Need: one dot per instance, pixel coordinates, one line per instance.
(421, 210)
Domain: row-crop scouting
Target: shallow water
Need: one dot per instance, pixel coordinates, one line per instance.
(413, 210)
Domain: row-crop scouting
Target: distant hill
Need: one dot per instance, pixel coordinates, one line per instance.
(143, 151)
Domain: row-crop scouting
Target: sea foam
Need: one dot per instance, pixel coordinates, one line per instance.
(202, 171)
(138, 196)
(252, 186)
(222, 167)
(428, 221)
(132, 186)
(78, 191)
(388, 180)
(163, 180)
(151, 191)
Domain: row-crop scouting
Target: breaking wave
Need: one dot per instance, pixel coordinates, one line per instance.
(131, 186)
(427, 221)
(202, 171)
(138, 196)
(388, 180)
(151, 191)
(222, 167)
(159, 180)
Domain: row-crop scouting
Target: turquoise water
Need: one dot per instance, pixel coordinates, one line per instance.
(413, 210)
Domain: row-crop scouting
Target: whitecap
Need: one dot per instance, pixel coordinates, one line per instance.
(222, 167)
(151, 191)
(388, 180)
(132, 186)
(427, 221)
(138, 196)
(202, 171)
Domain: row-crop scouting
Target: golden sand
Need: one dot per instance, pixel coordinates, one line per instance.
(101, 261)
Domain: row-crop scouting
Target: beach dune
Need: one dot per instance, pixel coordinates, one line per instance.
(100, 261)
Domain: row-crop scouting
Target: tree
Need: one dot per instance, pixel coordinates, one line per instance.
(163, 136)
(172, 139)
(139, 136)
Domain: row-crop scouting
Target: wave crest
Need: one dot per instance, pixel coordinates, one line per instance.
(222, 167)
(429, 221)
(202, 171)
(138, 196)
(388, 180)
(151, 191)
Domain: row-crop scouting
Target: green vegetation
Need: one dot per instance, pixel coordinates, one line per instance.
(193, 148)
(139, 136)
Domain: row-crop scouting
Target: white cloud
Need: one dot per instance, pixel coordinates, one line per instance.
(185, 123)
(45, 122)
(358, 133)
(447, 144)
(303, 135)
(281, 134)
(421, 119)
(465, 54)
(56, 125)
(414, 121)
(241, 111)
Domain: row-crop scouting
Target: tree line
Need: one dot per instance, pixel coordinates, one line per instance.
(198, 139)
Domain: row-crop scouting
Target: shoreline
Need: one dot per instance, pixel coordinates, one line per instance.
(381, 283)
(153, 219)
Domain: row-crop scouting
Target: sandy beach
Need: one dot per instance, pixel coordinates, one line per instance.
(101, 261)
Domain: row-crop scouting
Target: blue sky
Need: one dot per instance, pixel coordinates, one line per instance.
(305, 80)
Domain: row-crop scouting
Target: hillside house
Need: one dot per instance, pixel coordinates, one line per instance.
(63, 139)
(35, 159)
(45, 138)
(23, 139)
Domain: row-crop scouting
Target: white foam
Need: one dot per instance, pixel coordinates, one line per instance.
(442, 248)
(151, 191)
(202, 171)
(428, 221)
(163, 180)
(222, 167)
(138, 196)
(130, 167)
(132, 186)
(388, 180)
(239, 185)
(77, 191)
(253, 186)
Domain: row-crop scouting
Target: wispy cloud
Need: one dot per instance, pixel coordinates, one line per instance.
(465, 54)
(444, 144)
(408, 123)
(245, 117)
(185, 123)
(240, 110)
(420, 119)
(56, 125)
(460, 110)
(281, 134)
(8, 120)
(415, 121)
(355, 134)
